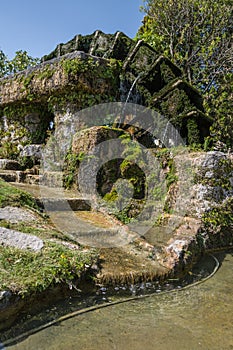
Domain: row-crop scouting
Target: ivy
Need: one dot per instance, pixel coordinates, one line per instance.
(219, 217)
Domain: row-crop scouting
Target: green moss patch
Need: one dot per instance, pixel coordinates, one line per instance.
(9, 195)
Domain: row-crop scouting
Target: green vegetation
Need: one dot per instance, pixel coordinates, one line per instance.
(20, 62)
(24, 272)
(220, 218)
(197, 36)
(221, 177)
(190, 33)
(219, 105)
(167, 163)
(9, 195)
(71, 164)
(15, 116)
(129, 169)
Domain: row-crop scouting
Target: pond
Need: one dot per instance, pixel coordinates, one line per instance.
(197, 317)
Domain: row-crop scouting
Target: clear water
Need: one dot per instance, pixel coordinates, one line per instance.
(200, 317)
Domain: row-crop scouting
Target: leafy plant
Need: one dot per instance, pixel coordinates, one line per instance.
(20, 62)
(25, 272)
(196, 35)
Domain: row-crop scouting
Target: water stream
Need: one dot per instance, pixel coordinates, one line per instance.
(129, 94)
(199, 317)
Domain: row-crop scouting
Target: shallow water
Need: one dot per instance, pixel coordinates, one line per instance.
(200, 317)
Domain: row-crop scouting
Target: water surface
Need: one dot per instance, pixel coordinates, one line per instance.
(200, 317)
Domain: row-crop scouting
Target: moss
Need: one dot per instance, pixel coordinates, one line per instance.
(91, 67)
(221, 176)
(167, 73)
(218, 225)
(175, 106)
(80, 99)
(121, 47)
(76, 74)
(21, 129)
(27, 80)
(112, 196)
(107, 175)
(8, 149)
(132, 172)
(9, 195)
(141, 59)
(193, 132)
(46, 73)
(70, 171)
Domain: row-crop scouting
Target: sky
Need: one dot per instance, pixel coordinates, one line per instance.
(37, 26)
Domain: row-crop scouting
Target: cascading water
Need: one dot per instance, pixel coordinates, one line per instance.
(165, 132)
(129, 94)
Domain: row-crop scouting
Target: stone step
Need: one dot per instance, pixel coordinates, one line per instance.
(19, 176)
(8, 164)
(92, 228)
(51, 178)
(65, 204)
(12, 175)
(32, 179)
(55, 199)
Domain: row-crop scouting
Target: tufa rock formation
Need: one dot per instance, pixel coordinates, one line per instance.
(89, 70)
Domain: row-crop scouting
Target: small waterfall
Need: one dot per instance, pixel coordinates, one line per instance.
(128, 97)
(171, 136)
(132, 87)
(165, 132)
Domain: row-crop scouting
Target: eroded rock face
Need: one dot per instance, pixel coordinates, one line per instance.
(214, 180)
(83, 73)
(207, 223)
(97, 144)
(33, 150)
(86, 140)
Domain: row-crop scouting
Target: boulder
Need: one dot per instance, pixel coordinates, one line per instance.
(20, 240)
(86, 140)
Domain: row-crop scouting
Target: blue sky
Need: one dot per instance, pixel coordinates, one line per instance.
(37, 26)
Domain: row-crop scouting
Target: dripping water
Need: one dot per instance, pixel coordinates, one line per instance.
(128, 97)
(165, 132)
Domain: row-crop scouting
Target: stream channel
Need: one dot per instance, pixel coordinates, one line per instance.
(198, 315)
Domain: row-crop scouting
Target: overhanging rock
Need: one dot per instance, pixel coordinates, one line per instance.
(89, 70)
(57, 77)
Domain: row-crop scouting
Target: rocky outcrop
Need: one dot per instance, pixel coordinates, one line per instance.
(194, 202)
(52, 78)
(207, 223)
(15, 215)
(89, 70)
